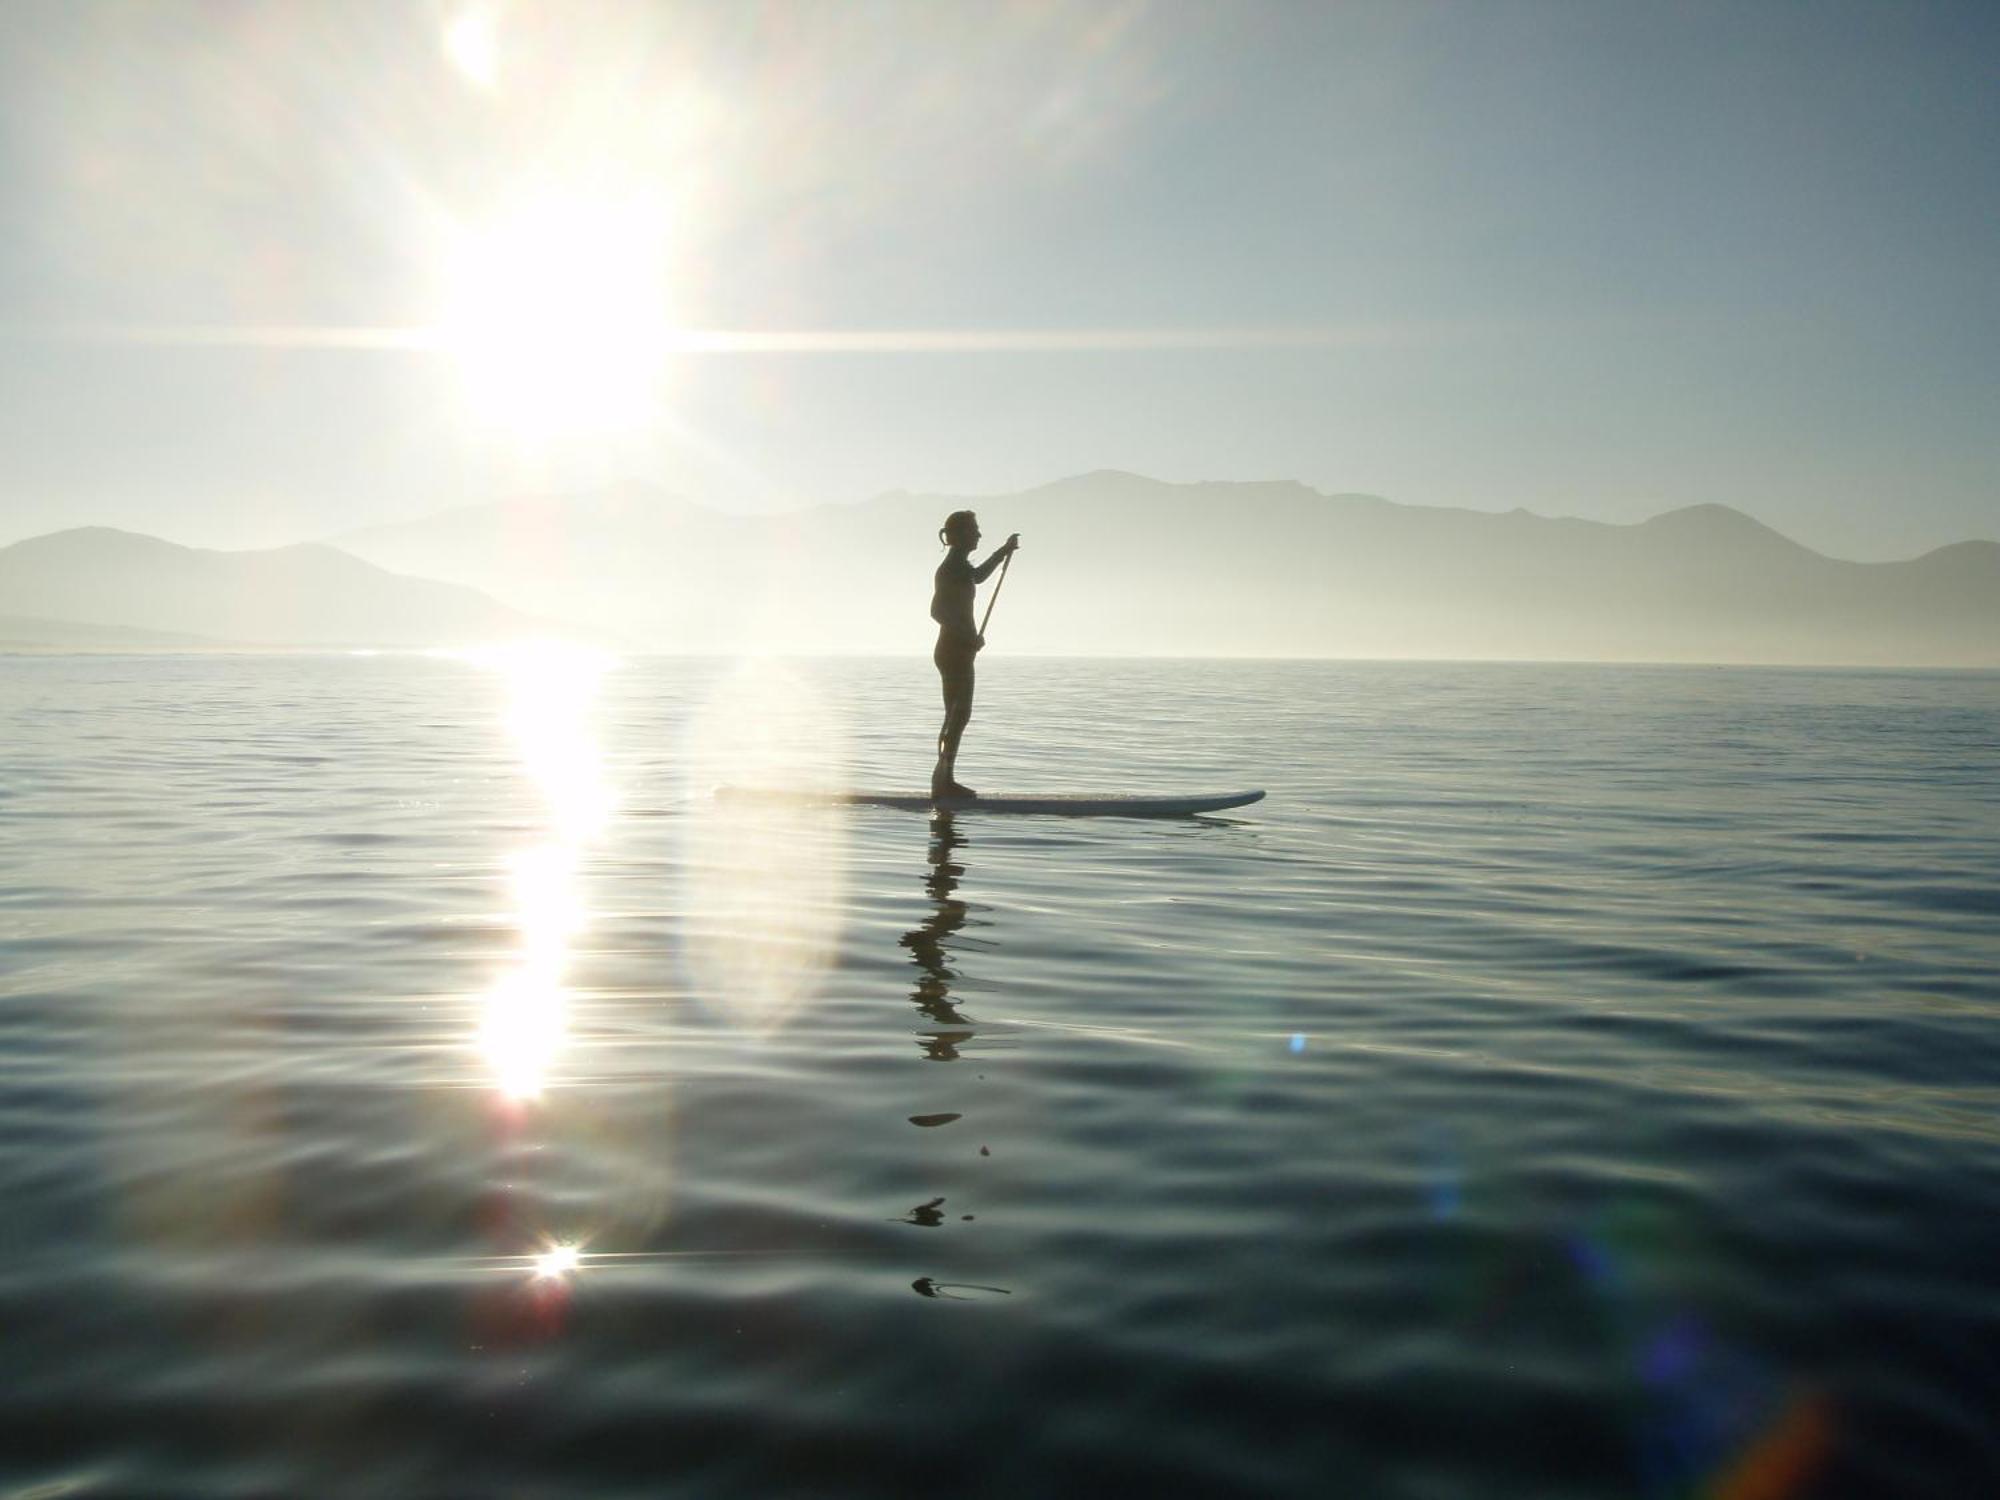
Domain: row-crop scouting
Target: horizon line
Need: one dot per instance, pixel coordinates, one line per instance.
(434, 339)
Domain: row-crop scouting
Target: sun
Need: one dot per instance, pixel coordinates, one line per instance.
(557, 314)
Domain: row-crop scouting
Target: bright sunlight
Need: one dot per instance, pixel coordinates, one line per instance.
(558, 315)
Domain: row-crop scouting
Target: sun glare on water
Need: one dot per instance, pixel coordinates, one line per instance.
(550, 694)
(557, 1261)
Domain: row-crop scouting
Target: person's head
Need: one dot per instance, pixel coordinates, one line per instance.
(960, 529)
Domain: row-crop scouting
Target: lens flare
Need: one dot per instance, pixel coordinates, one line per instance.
(472, 45)
(764, 878)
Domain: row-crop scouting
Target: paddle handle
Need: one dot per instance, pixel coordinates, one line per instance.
(993, 599)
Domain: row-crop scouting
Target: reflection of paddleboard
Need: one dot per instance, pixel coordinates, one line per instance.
(1076, 804)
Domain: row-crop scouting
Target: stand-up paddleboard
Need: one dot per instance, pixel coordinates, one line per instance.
(1075, 804)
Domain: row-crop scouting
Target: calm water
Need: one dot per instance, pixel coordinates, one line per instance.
(1571, 1082)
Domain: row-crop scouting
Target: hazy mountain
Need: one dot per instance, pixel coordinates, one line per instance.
(1118, 564)
(304, 595)
(635, 561)
(28, 633)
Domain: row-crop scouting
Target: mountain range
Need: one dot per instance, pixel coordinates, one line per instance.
(97, 588)
(1111, 564)
(1118, 564)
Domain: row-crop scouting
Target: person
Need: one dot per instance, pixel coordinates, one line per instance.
(958, 639)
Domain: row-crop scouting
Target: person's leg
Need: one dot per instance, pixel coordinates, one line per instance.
(960, 717)
(957, 714)
(941, 772)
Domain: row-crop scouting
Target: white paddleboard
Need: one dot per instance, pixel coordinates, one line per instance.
(1074, 804)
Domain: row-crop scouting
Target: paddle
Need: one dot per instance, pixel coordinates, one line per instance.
(1005, 563)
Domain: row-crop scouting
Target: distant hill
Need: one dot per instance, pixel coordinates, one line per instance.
(95, 583)
(1118, 564)
(27, 633)
(634, 561)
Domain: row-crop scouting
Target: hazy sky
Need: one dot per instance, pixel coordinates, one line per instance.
(271, 270)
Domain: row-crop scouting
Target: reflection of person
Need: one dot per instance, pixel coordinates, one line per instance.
(958, 639)
(932, 996)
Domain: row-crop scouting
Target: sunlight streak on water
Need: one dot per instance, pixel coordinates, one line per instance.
(551, 690)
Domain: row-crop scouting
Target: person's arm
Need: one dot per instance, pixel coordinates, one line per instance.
(1000, 554)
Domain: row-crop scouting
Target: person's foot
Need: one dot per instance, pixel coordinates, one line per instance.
(959, 789)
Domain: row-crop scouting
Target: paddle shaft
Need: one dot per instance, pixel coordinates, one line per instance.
(1005, 563)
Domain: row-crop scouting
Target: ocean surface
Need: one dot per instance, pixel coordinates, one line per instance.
(1570, 1082)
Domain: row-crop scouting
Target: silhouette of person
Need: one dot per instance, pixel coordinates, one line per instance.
(958, 639)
